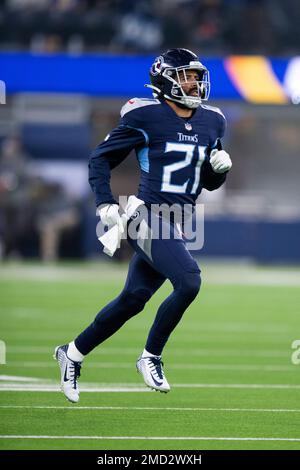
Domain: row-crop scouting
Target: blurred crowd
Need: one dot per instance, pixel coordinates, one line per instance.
(141, 26)
(35, 214)
(38, 216)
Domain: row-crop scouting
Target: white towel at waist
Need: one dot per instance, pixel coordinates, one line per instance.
(111, 239)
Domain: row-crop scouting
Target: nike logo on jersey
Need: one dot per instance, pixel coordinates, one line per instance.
(187, 138)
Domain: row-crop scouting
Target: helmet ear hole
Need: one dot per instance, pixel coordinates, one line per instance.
(171, 73)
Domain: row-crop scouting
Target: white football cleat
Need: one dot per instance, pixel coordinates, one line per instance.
(70, 371)
(152, 372)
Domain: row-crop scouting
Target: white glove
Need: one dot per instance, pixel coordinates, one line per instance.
(109, 214)
(112, 238)
(220, 161)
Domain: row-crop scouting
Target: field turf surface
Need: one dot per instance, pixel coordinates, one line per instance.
(228, 362)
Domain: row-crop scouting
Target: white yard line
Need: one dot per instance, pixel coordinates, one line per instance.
(56, 388)
(129, 365)
(213, 273)
(242, 386)
(151, 408)
(212, 352)
(134, 387)
(154, 438)
(17, 378)
(99, 272)
(17, 383)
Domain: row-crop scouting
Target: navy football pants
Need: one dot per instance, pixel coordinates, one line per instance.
(149, 267)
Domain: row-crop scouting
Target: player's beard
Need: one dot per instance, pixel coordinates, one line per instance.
(193, 92)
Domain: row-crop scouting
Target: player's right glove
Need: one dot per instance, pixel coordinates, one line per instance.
(109, 214)
(220, 161)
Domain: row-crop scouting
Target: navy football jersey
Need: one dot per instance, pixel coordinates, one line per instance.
(173, 152)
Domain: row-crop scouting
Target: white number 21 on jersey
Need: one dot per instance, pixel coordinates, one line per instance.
(188, 150)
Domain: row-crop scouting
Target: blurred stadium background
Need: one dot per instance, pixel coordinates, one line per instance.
(68, 66)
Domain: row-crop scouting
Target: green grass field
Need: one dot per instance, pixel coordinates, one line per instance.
(228, 363)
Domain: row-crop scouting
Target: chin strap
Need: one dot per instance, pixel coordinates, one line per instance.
(156, 90)
(182, 105)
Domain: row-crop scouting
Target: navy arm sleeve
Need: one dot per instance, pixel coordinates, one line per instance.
(107, 156)
(209, 179)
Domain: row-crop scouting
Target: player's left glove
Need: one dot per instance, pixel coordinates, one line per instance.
(220, 161)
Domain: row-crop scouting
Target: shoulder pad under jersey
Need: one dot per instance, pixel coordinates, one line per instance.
(137, 103)
(213, 108)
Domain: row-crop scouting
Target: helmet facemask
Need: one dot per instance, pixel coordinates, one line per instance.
(178, 77)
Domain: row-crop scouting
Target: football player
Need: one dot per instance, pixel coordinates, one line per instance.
(177, 140)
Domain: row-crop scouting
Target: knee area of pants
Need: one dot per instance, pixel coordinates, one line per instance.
(190, 284)
(136, 298)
